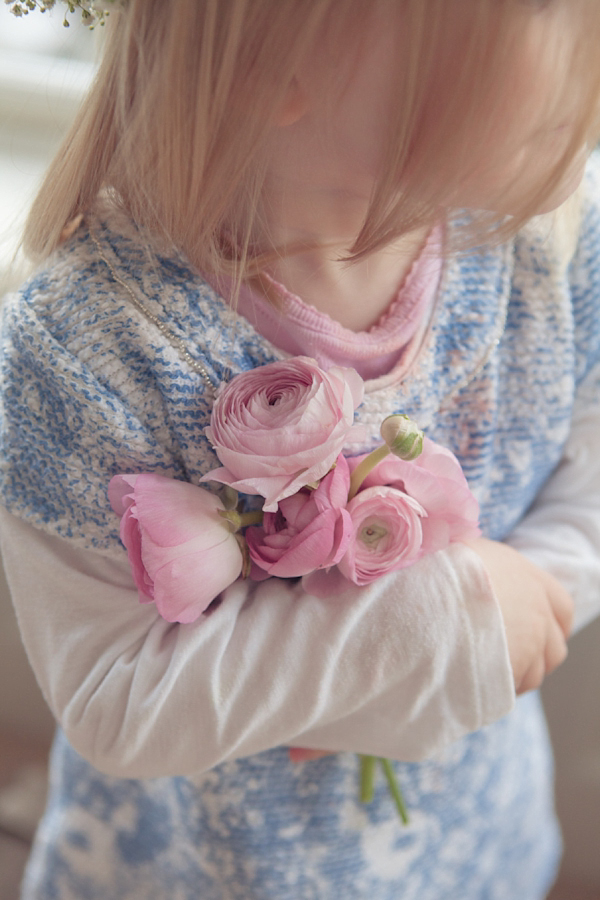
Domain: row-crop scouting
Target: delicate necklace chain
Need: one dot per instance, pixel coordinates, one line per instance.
(172, 338)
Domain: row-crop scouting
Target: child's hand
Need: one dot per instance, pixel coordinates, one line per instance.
(537, 612)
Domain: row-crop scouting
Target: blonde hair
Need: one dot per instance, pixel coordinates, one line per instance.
(176, 122)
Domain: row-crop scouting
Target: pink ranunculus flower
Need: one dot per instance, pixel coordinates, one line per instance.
(310, 530)
(281, 426)
(388, 534)
(436, 481)
(181, 551)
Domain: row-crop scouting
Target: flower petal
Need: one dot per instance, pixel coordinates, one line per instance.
(281, 426)
(184, 587)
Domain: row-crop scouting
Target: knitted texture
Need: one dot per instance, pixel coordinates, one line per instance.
(482, 828)
(91, 388)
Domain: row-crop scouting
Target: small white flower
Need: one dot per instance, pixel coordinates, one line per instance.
(93, 12)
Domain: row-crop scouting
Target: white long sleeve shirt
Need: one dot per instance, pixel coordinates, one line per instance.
(411, 663)
(398, 669)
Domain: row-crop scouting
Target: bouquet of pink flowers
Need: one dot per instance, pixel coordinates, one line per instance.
(279, 431)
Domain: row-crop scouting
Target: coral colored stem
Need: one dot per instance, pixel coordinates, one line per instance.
(366, 466)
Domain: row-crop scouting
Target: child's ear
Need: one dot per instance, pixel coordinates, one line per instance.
(294, 106)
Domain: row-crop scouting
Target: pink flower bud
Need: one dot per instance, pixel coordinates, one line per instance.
(310, 530)
(388, 534)
(182, 552)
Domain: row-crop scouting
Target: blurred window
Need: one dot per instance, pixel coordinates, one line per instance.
(44, 67)
(45, 70)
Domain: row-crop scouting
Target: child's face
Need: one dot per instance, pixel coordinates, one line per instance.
(522, 139)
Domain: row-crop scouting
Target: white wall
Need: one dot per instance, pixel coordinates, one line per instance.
(44, 72)
(22, 707)
(572, 701)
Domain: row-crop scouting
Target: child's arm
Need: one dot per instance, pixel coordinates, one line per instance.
(561, 532)
(399, 669)
(559, 558)
(560, 535)
(558, 563)
(537, 613)
(536, 609)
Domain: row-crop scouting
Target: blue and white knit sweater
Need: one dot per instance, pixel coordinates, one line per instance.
(91, 387)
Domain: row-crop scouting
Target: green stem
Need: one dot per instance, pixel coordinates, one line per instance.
(395, 789)
(367, 778)
(366, 466)
(240, 520)
(251, 518)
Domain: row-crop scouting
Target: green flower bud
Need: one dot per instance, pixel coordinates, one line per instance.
(403, 436)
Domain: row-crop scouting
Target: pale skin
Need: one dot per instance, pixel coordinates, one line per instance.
(321, 171)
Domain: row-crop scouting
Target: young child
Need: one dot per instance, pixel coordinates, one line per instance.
(327, 166)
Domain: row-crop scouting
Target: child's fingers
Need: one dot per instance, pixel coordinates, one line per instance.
(532, 679)
(556, 648)
(561, 603)
(300, 754)
(554, 655)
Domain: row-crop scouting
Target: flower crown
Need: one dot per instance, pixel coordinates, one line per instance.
(93, 12)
